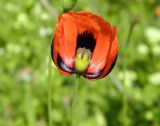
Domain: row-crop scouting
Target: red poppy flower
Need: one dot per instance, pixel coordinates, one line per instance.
(76, 31)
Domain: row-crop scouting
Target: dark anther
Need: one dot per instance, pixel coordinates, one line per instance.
(87, 40)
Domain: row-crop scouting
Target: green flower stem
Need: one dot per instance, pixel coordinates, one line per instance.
(49, 94)
(75, 104)
(135, 20)
(130, 33)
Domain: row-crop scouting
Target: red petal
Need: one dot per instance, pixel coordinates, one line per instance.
(112, 53)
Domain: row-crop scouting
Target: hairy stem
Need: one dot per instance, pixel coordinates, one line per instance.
(75, 102)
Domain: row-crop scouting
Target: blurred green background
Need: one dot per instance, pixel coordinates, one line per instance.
(128, 96)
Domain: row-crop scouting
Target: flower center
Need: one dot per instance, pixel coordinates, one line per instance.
(82, 60)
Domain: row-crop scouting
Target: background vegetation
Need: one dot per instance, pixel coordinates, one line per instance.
(129, 96)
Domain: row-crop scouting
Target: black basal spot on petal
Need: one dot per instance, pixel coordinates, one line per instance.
(93, 75)
(63, 66)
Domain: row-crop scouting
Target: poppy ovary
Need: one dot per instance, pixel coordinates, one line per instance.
(82, 60)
